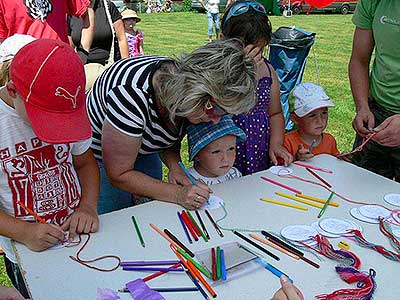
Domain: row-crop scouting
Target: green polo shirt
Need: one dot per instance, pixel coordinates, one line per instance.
(383, 18)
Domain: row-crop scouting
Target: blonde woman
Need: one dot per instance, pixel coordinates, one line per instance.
(140, 107)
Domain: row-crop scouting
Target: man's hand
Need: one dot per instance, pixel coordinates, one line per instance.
(40, 236)
(388, 133)
(363, 122)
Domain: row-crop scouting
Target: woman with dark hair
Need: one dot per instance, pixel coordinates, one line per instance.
(264, 124)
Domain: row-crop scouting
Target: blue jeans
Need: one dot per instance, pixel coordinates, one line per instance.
(112, 198)
(213, 19)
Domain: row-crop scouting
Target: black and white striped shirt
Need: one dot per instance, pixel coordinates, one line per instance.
(124, 96)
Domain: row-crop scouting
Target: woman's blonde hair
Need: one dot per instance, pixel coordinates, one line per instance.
(5, 72)
(220, 70)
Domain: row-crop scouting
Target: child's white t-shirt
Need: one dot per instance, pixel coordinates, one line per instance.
(212, 6)
(231, 174)
(38, 174)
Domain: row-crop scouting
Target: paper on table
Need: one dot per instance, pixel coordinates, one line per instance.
(214, 202)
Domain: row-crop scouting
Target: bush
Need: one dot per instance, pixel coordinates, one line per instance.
(177, 7)
(187, 5)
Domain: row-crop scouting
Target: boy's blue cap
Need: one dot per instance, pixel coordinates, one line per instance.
(200, 135)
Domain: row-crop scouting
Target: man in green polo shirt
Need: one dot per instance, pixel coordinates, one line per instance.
(376, 92)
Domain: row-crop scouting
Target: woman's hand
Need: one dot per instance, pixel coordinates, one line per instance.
(303, 154)
(288, 291)
(193, 197)
(278, 151)
(177, 176)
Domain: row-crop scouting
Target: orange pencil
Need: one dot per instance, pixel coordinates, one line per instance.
(32, 213)
(196, 272)
(266, 242)
(162, 233)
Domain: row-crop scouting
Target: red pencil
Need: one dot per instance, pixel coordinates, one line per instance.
(213, 265)
(189, 225)
(318, 177)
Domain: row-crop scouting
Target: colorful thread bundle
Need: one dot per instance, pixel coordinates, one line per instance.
(348, 271)
(385, 228)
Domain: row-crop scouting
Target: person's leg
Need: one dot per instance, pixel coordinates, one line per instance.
(14, 273)
(110, 197)
(210, 26)
(217, 26)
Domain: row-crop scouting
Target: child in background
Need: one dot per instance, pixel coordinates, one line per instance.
(134, 36)
(212, 9)
(264, 124)
(311, 116)
(212, 148)
(45, 160)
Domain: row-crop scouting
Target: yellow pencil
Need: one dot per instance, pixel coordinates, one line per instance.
(299, 200)
(284, 204)
(317, 199)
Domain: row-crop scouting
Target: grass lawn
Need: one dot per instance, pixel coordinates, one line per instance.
(174, 33)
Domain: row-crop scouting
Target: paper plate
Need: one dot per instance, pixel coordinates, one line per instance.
(354, 212)
(280, 170)
(323, 232)
(335, 226)
(298, 232)
(374, 211)
(393, 199)
(214, 202)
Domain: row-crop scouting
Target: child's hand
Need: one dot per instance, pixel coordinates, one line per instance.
(278, 152)
(83, 220)
(303, 154)
(40, 236)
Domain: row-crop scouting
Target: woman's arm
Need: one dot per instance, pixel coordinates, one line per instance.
(277, 133)
(121, 37)
(119, 155)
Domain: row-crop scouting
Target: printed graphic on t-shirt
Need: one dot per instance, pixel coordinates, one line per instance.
(38, 9)
(43, 180)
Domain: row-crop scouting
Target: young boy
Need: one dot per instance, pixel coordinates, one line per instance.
(134, 36)
(311, 116)
(212, 147)
(46, 164)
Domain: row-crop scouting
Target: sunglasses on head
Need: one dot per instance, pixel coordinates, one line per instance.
(213, 109)
(241, 8)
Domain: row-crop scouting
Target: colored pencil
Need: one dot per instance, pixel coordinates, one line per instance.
(218, 262)
(184, 227)
(214, 224)
(32, 213)
(312, 146)
(149, 263)
(163, 234)
(192, 180)
(201, 278)
(301, 164)
(267, 242)
(152, 269)
(278, 273)
(318, 177)
(157, 274)
(166, 290)
(202, 224)
(317, 200)
(299, 200)
(178, 242)
(195, 263)
(189, 225)
(196, 283)
(281, 243)
(138, 231)
(325, 205)
(256, 245)
(199, 231)
(223, 267)
(284, 204)
(213, 264)
(280, 184)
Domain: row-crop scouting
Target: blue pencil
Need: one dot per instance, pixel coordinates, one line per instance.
(184, 227)
(196, 283)
(223, 267)
(312, 146)
(278, 273)
(192, 180)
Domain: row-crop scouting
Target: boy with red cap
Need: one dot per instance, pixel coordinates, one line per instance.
(46, 164)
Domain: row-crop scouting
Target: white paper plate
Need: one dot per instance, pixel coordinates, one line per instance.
(214, 202)
(298, 232)
(374, 211)
(323, 232)
(354, 212)
(393, 199)
(280, 170)
(336, 226)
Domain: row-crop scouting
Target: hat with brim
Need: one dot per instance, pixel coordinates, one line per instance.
(52, 84)
(200, 135)
(309, 97)
(11, 45)
(130, 14)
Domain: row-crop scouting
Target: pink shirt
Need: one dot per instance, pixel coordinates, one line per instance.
(48, 20)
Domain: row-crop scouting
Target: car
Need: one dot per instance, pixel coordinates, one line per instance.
(301, 6)
(197, 6)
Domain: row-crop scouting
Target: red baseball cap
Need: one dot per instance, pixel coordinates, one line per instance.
(49, 76)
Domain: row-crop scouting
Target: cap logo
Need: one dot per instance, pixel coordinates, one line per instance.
(61, 92)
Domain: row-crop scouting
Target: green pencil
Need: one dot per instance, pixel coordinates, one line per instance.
(218, 259)
(197, 225)
(196, 264)
(138, 231)
(326, 205)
